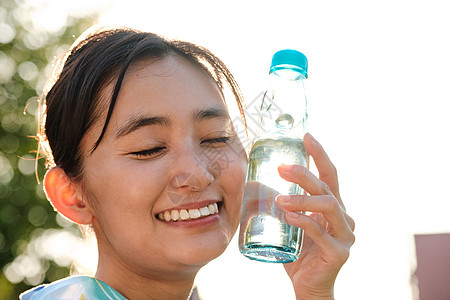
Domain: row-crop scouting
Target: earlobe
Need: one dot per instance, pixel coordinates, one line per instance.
(65, 197)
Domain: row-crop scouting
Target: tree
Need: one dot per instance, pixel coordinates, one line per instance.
(28, 223)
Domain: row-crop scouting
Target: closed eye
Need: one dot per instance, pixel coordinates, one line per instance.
(150, 153)
(220, 140)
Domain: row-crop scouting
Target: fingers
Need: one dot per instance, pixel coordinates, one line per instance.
(335, 249)
(330, 229)
(305, 179)
(338, 223)
(327, 170)
(326, 184)
(314, 230)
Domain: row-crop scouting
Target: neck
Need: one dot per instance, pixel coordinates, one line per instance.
(135, 286)
(151, 281)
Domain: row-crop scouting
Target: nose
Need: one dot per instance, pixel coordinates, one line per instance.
(192, 173)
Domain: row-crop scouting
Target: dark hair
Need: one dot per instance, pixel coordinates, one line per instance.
(72, 105)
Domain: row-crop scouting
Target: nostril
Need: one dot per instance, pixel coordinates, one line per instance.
(195, 181)
(186, 180)
(184, 188)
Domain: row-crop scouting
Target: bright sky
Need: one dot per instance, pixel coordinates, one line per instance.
(378, 90)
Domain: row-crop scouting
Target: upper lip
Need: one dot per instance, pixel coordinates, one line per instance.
(191, 205)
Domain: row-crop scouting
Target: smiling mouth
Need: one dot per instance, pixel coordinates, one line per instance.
(175, 215)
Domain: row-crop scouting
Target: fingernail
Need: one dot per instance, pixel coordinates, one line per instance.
(282, 200)
(313, 139)
(285, 168)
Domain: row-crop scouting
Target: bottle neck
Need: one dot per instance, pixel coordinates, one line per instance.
(284, 107)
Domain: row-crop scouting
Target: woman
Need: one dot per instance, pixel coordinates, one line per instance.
(130, 124)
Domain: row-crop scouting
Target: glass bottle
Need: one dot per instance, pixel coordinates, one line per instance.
(264, 233)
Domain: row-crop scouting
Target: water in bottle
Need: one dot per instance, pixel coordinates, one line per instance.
(264, 233)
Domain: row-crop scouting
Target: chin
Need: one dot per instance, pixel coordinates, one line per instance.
(202, 250)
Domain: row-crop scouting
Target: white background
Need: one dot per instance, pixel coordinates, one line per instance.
(378, 93)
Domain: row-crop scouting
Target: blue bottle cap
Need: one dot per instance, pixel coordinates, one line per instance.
(292, 59)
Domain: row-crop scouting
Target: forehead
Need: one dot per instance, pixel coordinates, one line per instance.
(170, 86)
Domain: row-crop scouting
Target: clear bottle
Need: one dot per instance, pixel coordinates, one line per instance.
(264, 233)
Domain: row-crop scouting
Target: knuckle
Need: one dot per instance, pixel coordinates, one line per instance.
(313, 226)
(300, 170)
(318, 229)
(332, 204)
(351, 223)
(352, 239)
(300, 199)
(342, 254)
(333, 169)
(324, 188)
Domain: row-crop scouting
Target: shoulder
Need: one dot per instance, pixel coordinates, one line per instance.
(74, 287)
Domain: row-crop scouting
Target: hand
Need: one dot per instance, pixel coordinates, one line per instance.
(328, 229)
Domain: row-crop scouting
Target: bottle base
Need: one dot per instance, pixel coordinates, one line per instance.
(269, 253)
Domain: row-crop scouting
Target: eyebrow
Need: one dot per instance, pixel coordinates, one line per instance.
(140, 121)
(210, 113)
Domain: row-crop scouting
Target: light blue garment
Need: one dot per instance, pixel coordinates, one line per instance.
(73, 288)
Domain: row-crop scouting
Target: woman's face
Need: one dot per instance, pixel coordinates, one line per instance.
(169, 149)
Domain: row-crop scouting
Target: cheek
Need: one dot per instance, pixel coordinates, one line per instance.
(123, 189)
(229, 164)
(122, 200)
(233, 182)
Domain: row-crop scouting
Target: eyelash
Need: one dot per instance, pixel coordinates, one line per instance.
(220, 140)
(148, 153)
(155, 151)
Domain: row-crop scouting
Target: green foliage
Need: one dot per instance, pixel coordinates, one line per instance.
(26, 54)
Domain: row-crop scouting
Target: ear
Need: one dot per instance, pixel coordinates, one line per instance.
(65, 196)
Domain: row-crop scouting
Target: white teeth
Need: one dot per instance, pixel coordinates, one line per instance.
(204, 211)
(184, 214)
(213, 208)
(194, 213)
(175, 214)
(167, 216)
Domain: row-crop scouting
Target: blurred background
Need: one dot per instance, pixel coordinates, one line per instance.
(378, 93)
